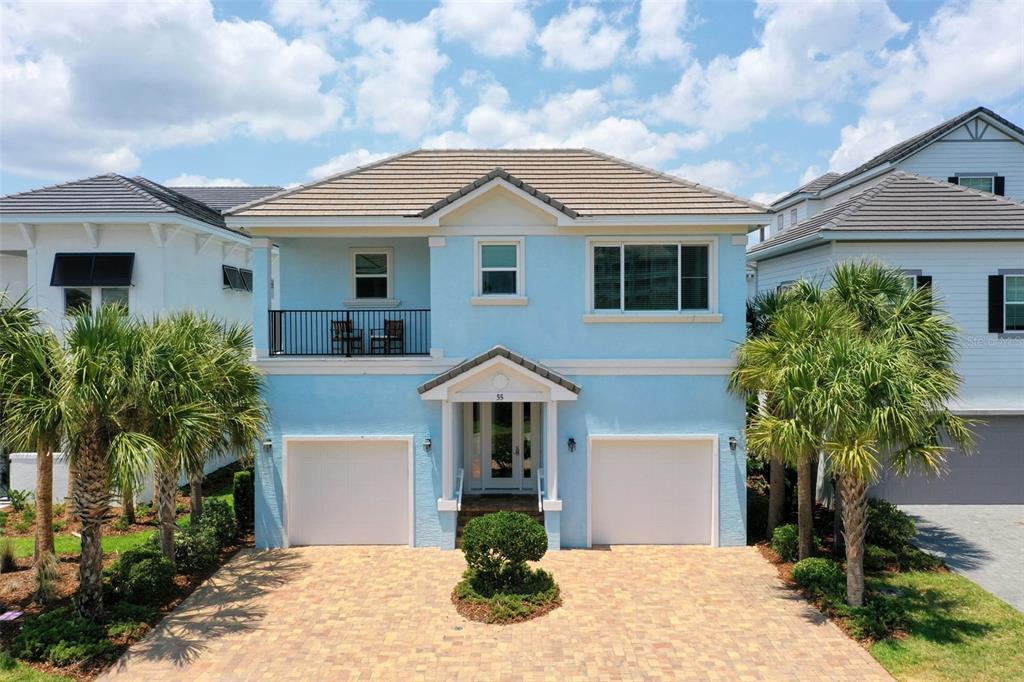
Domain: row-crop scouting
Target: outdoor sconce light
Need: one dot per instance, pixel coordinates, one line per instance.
(268, 445)
(732, 443)
(427, 443)
(572, 444)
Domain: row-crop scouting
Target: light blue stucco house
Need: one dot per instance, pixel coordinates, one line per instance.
(553, 327)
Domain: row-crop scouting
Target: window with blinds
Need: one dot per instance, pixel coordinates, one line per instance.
(670, 277)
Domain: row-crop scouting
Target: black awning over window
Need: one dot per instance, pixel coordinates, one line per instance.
(232, 278)
(246, 278)
(92, 269)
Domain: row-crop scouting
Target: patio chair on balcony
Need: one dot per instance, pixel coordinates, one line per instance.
(345, 338)
(389, 339)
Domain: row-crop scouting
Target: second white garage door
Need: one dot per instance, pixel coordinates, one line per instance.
(651, 491)
(348, 492)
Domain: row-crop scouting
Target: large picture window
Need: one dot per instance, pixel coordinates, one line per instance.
(651, 277)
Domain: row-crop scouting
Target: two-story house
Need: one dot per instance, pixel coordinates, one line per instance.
(114, 239)
(944, 206)
(550, 327)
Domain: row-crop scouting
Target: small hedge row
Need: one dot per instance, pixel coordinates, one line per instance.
(244, 491)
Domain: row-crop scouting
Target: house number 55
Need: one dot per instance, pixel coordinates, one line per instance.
(499, 396)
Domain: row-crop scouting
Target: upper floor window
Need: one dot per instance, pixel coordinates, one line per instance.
(1013, 300)
(91, 299)
(236, 279)
(651, 277)
(986, 183)
(792, 217)
(372, 274)
(500, 271)
(780, 221)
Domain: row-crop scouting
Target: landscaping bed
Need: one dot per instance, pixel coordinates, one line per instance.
(140, 587)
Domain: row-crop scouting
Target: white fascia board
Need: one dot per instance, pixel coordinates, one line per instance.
(788, 247)
(121, 219)
(887, 236)
(286, 222)
(749, 221)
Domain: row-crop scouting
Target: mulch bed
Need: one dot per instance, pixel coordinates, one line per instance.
(481, 611)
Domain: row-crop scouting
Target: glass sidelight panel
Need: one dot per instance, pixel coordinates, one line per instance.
(502, 454)
(527, 441)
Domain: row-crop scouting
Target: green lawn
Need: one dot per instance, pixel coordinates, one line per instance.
(958, 631)
(13, 671)
(69, 544)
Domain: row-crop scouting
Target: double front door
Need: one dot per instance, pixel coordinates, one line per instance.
(500, 447)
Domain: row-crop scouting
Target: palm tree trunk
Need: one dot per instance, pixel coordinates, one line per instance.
(165, 486)
(128, 506)
(805, 507)
(195, 489)
(776, 493)
(92, 502)
(44, 505)
(837, 521)
(855, 525)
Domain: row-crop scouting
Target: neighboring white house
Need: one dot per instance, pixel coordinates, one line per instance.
(968, 245)
(111, 238)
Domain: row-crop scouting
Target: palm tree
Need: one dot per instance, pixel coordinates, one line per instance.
(884, 389)
(30, 409)
(777, 367)
(100, 391)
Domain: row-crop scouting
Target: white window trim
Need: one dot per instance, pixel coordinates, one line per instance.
(389, 301)
(95, 296)
(975, 176)
(711, 314)
(1006, 278)
(518, 298)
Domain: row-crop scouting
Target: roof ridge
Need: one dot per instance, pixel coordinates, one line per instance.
(681, 181)
(239, 187)
(133, 186)
(315, 183)
(858, 200)
(488, 177)
(59, 184)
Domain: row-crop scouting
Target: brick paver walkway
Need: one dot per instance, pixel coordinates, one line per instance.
(336, 613)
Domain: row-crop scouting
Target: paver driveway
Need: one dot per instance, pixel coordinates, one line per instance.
(330, 613)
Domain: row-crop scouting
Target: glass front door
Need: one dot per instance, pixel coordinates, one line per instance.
(507, 454)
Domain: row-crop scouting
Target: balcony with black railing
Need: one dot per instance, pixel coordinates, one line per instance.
(350, 333)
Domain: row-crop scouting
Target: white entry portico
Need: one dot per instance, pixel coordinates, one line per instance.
(500, 394)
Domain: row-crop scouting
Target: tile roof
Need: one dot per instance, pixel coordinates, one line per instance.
(907, 202)
(110, 193)
(223, 198)
(583, 181)
(816, 185)
(501, 351)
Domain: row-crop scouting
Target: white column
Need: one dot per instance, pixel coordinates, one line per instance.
(551, 450)
(447, 451)
(261, 296)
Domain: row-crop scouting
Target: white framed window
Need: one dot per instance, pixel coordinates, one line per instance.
(94, 298)
(780, 221)
(500, 272)
(1013, 303)
(985, 183)
(373, 276)
(792, 216)
(643, 277)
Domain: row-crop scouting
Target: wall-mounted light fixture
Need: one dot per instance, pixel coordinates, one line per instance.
(427, 443)
(572, 444)
(268, 445)
(732, 443)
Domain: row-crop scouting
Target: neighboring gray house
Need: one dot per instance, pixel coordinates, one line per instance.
(968, 245)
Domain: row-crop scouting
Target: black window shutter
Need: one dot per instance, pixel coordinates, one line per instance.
(924, 281)
(954, 180)
(999, 186)
(995, 304)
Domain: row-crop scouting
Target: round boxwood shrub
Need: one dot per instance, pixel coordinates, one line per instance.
(888, 526)
(786, 541)
(219, 519)
(497, 547)
(142, 574)
(196, 550)
(822, 577)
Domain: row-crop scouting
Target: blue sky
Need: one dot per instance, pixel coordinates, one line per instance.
(749, 97)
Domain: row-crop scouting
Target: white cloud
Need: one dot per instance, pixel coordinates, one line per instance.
(808, 56)
(398, 64)
(582, 39)
(579, 118)
(966, 53)
(88, 87)
(498, 28)
(810, 173)
(719, 173)
(344, 162)
(766, 198)
(318, 20)
(194, 180)
(661, 22)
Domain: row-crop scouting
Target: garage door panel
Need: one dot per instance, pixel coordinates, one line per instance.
(348, 493)
(651, 492)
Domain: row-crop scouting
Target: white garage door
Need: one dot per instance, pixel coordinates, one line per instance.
(651, 491)
(348, 492)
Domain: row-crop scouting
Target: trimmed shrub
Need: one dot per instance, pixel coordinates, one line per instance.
(879, 618)
(218, 519)
(142, 575)
(786, 541)
(61, 637)
(128, 622)
(913, 559)
(888, 527)
(822, 577)
(196, 550)
(497, 547)
(244, 491)
(879, 558)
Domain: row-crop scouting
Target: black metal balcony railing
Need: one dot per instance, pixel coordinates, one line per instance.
(350, 332)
